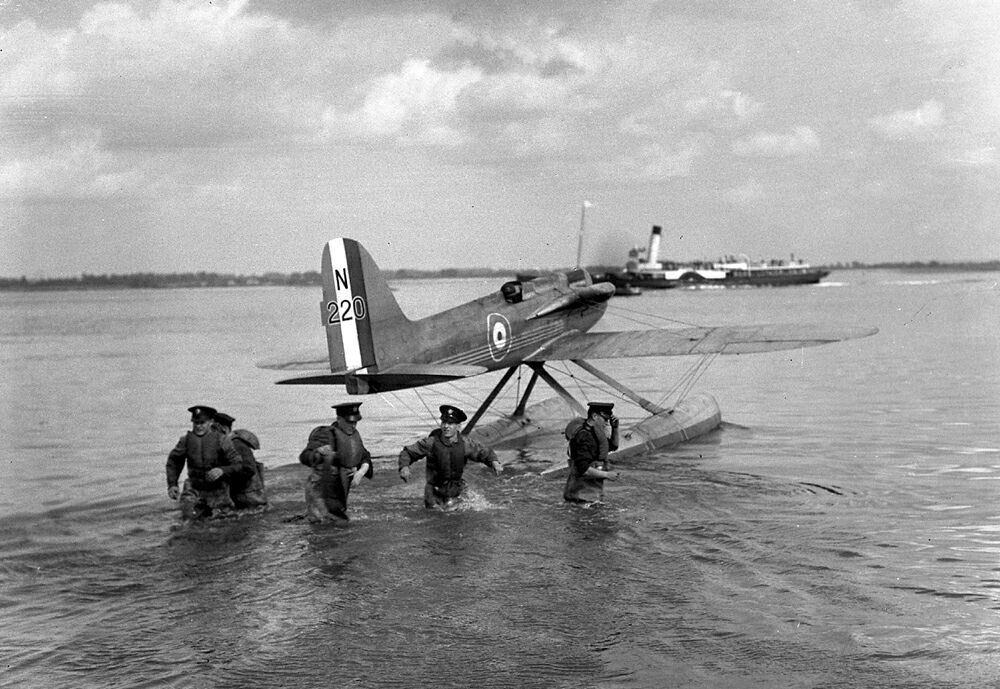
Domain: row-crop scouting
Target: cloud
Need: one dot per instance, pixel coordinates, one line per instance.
(522, 95)
(188, 76)
(727, 103)
(87, 109)
(184, 75)
(907, 124)
(749, 193)
(982, 158)
(74, 166)
(801, 141)
(517, 53)
(417, 104)
(659, 162)
(159, 111)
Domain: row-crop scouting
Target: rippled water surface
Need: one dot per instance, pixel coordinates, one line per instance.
(841, 530)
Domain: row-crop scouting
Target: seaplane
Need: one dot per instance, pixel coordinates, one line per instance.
(373, 347)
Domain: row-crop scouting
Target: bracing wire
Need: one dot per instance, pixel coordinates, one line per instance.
(622, 311)
(464, 394)
(394, 395)
(706, 362)
(689, 378)
(420, 397)
(687, 381)
(579, 382)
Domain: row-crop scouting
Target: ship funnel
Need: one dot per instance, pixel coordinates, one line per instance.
(653, 255)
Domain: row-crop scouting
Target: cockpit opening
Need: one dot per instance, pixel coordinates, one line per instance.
(516, 291)
(577, 277)
(513, 292)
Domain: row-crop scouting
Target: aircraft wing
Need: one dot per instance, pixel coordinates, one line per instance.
(736, 339)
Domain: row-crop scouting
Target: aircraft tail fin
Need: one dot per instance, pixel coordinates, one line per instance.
(364, 324)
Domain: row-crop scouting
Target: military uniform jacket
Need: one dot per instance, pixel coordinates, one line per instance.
(351, 452)
(588, 448)
(201, 453)
(445, 463)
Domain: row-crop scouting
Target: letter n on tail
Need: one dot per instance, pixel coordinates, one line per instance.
(345, 307)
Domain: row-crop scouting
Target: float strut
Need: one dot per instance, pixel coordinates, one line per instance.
(489, 400)
(638, 399)
(539, 368)
(527, 392)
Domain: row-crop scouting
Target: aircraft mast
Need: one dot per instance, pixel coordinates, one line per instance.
(579, 243)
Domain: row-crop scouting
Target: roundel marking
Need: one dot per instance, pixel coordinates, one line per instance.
(498, 333)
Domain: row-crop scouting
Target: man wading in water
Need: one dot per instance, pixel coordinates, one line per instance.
(339, 461)
(588, 454)
(447, 452)
(212, 463)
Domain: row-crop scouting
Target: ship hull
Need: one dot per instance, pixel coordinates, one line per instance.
(756, 278)
(766, 278)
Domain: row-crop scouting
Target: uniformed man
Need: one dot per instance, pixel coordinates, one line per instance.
(212, 462)
(588, 454)
(447, 452)
(339, 461)
(246, 490)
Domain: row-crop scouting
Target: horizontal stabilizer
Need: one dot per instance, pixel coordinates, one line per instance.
(737, 339)
(313, 360)
(396, 377)
(318, 379)
(441, 370)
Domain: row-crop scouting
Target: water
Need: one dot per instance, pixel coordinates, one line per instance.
(841, 530)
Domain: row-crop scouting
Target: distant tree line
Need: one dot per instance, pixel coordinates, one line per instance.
(206, 279)
(158, 280)
(313, 278)
(919, 265)
(957, 266)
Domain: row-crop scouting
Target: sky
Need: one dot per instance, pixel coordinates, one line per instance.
(238, 137)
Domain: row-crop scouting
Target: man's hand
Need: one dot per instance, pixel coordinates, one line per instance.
(613, 421)
(324, 455)
(404, 473)
(359, 474)
(173, 492)
(613, 475)
(213, 474)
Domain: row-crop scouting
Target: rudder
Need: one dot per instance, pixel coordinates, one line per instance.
(359, 312)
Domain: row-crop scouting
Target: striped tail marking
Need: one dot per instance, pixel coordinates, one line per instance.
(345, 307)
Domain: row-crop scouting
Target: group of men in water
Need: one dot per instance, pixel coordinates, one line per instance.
(222, 472)
(223, 475)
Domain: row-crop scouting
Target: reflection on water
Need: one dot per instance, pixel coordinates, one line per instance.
(841, 529)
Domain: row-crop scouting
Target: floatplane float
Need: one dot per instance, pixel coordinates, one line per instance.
(372, 347)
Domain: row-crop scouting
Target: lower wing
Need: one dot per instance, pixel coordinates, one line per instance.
(576, 345)
(719, 340)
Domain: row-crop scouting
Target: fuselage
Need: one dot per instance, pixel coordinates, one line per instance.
(499, 330)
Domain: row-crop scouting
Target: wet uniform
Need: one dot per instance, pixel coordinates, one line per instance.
(329, 483)
(248, 490)
(588, 447)
(201, 497)
(445, 464)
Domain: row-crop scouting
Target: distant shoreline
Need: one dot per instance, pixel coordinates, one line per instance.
(313, 278)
